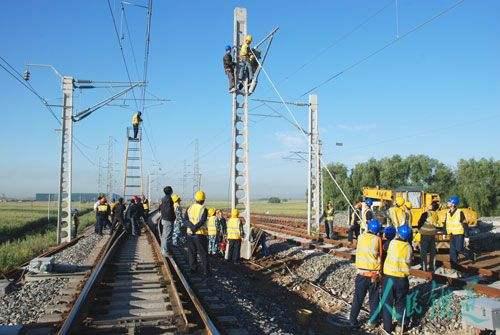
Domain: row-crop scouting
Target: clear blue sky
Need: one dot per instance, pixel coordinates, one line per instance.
(435, 92)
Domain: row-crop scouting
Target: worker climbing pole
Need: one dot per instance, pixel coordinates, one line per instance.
(246, 70)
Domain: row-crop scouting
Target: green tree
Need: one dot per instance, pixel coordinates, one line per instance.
(365, 175)
(478, 184)
(331, 192)
(393, 172)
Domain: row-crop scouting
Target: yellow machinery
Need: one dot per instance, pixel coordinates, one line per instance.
(420, 200)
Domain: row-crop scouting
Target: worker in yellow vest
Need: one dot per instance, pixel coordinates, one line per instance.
(212, 232)
(102, 213)
(145, 205)
(329, 216)
(368, 265)
(395, 283)
(246, 56)
(136, 122)
(195, 219)
(427, 229)
(366, 214)
(397, 214)
(457, 228)
(234, 234)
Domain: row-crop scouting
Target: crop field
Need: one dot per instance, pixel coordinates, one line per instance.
(289, 208)
(26, 232)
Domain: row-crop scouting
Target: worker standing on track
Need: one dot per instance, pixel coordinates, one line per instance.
(427, 229)
(118, 213)
(228, 63)
(368, 264)
(354, 222)
(389, 234)
(136, 214)
(397, 214)
(329, 217)
(366, 214)
(195, 219)
(220, 222)
(395, 283)
(136, 122)
(234, 234)
(212, 232)
(456, 226)
(246, 60)
(408, 214)
(103, 212)
(97, 203)
(167, 214)
(178, 236)
(145, 205)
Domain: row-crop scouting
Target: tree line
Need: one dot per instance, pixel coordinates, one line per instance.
(477, 182)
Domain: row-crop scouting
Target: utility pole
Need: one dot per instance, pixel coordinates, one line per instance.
(314, 170)
(109, 181)
(99, 175)
(68, 83)
(184, 179)
(196, 167)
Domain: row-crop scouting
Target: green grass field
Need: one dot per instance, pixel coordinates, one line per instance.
(25, 231)
(289, 208)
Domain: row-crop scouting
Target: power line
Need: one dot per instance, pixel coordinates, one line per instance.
(44, 102)
(397, 39)
(122, 52)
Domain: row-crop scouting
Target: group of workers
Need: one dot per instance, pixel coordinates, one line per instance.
(247, 64)
(204, 230)
(130, 215)
(384, 256)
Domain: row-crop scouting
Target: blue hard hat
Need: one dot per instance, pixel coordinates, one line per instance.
(369, 202)
(390, 232)
(374, 226)
(454, 199)
(228, 47)
(404, 232)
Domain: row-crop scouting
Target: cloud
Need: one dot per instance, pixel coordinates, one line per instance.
(357, 127)
(290, 140)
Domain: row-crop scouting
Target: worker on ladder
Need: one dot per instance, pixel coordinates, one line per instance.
(195, 220)
(136, 122)
(228, 63)
(368, 264)
(246, 70)
(397, 214)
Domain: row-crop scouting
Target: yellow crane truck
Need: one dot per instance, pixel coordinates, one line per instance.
(383, 199)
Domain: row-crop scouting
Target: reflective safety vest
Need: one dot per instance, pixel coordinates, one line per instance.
(429, 226)
(212, 228)
(195, 212)
(245, 51)
(398, 260)
(233, 229)
(329, 214)
(368, 252)
(135, 119)
(102, 210)
(364, 224)
(453, 224)
(113, 205)
(397, 216)
(145, 204)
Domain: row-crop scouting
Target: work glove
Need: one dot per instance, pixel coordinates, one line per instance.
(466, 242)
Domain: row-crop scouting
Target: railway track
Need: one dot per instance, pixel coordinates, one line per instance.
(133, 289)
(484, 271)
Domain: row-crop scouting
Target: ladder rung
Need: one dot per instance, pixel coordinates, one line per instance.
(133, 177)
(133, 149)
(132, 185)
(133, 158)
(133, 167)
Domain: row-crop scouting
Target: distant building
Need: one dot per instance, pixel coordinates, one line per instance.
(83, 197)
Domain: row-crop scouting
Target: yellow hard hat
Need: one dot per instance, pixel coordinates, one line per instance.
(400, 201)
(408, 205)
(248, 39)
(199, 196)
(175, 198)
(235, 213)
(211, 211)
